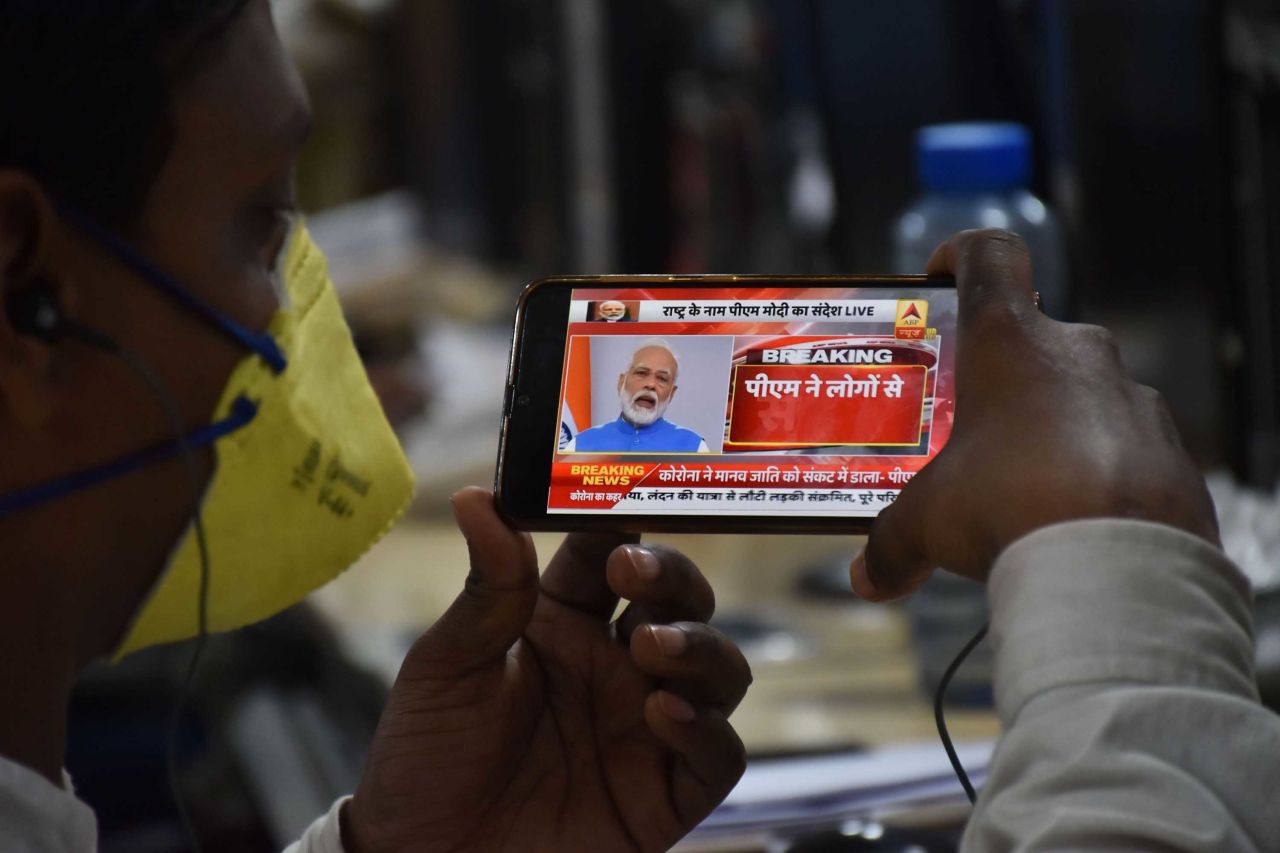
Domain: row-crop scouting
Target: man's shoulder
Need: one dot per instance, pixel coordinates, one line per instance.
(683, 439)
(599, 437)
(675, 427)
(598, 428)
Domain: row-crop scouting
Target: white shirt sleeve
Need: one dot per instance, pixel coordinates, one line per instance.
(1125, 685)
(570, 446)
(702, 446)
(37, 816)
(323, 836)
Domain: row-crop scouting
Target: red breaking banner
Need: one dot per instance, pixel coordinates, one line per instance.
(814, 405)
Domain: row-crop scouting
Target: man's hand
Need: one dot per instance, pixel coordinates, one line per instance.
(1048, 428)
(525, 720)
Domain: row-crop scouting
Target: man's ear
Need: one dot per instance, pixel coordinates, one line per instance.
(27, 226)
(622, 378)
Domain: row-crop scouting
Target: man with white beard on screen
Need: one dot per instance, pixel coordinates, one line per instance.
(613, 311)
(645, 390)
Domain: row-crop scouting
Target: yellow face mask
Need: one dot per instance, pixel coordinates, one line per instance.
(308, 473)
(311, 481)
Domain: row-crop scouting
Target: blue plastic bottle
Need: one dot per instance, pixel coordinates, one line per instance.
(975, 175)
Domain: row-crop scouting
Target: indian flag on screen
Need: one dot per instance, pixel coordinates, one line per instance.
(575, 414)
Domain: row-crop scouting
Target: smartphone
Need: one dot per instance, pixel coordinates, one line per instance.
(784, 404)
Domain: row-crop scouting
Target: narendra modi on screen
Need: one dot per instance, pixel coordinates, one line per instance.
(645, 390)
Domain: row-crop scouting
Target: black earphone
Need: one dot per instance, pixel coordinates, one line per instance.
(35, 311)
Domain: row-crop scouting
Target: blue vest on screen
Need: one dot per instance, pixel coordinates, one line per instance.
(618, 436)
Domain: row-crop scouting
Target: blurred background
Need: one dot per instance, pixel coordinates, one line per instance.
(465, 147)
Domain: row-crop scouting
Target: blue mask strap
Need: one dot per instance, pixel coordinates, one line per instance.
(243, 410)
(258, 342)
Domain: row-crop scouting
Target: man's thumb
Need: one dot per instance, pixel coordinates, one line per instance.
(496, 603)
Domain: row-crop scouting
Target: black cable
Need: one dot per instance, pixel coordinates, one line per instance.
(161, 394)
(940, 718)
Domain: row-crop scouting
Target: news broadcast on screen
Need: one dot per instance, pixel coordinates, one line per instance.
(768, 401)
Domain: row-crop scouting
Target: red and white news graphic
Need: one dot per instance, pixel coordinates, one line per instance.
(836, 397)
(673, 488)
(783, 405)
(798, 392)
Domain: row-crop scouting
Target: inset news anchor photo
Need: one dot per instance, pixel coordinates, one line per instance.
(658, 403)
(483, 425)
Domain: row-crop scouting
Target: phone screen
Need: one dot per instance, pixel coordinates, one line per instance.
(750, 401)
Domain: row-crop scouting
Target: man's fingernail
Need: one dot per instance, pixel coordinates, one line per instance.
(858, 577)
(644, 561)
(459, 518)
(672, 641)
(675, 707)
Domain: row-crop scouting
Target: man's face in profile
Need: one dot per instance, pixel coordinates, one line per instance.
(215, 220)
(612, 311)
(646, 389)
